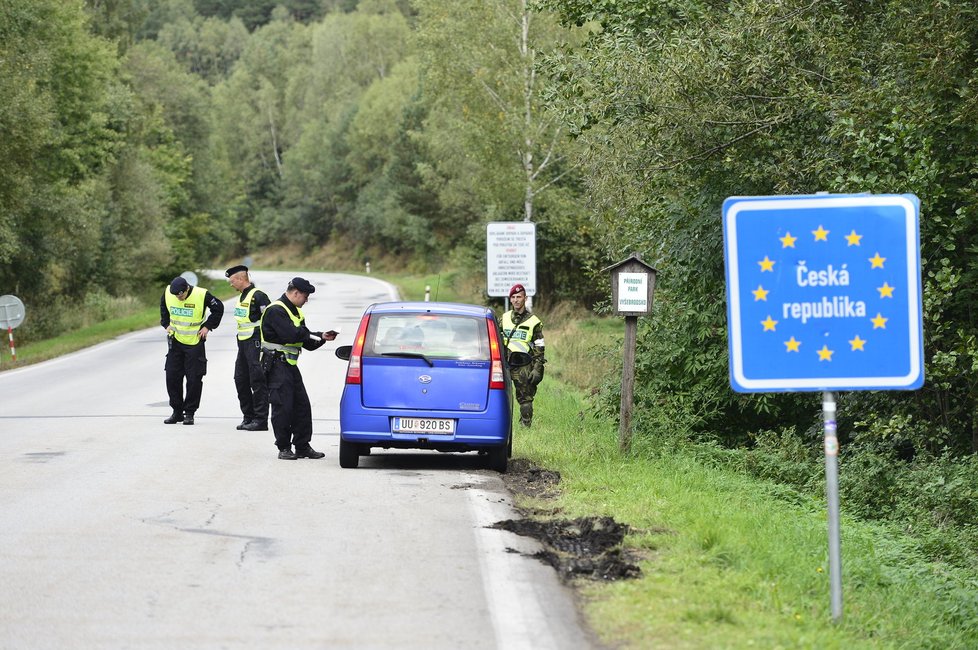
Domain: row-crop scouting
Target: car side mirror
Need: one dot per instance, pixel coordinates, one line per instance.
(344, 352)
(519, 359)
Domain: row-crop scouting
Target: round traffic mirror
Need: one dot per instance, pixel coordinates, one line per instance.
(12, 312)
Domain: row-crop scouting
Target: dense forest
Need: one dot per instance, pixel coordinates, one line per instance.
(140, 138)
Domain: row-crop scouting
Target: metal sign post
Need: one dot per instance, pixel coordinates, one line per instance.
(832, 496)
(824, 294)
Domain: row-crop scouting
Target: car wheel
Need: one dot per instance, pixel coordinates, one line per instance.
(349, 454)
(497, 458)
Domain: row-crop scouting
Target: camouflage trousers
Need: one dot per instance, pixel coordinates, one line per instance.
(525, 391)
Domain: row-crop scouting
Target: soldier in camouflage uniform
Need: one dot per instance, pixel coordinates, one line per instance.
(523, 332)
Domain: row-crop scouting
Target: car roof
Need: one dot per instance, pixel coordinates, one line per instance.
(447, 308)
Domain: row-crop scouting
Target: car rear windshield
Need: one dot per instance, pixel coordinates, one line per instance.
(439, 336)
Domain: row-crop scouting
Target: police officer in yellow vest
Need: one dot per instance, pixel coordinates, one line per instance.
(182, 315)
(523, 332)
(284, 336)
(249, 379)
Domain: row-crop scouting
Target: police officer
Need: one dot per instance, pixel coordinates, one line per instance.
(523, 332)
(283, 337)
(182, 315)
(249, 379)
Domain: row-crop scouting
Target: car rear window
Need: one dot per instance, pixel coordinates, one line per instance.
(439, 336)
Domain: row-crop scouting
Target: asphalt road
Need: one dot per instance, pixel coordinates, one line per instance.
(117, 531)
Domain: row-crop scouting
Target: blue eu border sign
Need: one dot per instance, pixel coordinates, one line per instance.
(823, 292)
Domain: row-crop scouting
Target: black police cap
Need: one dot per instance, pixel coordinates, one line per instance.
(179, 285)
(302, 285)
(235, 269)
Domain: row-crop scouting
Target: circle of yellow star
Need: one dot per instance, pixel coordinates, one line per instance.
(825, 354)
(787, 241)
(878, 323)
(876, 261)
(821, 234)
(766, 264)
(886, 291)
(760, 293)
(769, 324)
(792, 345)
(857, 344)
(853, 238)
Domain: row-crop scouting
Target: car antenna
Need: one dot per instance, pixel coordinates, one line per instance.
(437, 284)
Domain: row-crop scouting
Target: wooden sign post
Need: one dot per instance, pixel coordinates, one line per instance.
(632, 286)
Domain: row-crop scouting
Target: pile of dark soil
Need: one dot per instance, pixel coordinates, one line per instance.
(586, 547)
(524, 478)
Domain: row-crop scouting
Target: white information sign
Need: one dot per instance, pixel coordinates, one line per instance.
(633, 292)
(511, 257)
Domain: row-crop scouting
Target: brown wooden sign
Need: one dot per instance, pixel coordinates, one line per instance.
(632, 286)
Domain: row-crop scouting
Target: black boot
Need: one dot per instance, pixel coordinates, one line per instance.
(308, 452)
(174, 418)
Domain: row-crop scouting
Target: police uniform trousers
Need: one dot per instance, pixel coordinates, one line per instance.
(249, 380)
(291, 410)
(185, 361)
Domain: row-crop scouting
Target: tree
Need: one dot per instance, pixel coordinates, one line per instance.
(61, 117)
(682, 104)
(498, 148)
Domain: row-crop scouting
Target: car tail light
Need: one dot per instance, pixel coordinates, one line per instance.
(496, 377)
(353, 371)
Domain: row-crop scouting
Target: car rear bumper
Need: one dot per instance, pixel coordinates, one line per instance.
(473, 430)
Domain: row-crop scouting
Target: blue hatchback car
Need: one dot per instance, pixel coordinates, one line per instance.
(427, 375)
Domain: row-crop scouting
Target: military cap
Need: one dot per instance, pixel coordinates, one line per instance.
(179, 285)
(235, 269)
(516, 288)
(302, 285)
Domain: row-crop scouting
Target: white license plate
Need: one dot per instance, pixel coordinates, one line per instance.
(435, 426)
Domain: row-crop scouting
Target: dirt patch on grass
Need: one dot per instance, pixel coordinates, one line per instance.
(586, 547)
(526, 479)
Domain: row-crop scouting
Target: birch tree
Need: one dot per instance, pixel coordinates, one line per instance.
(481, 71)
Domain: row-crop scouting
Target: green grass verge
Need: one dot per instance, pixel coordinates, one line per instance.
(102, 331)
(728, 561)
(82, 338)
(439, 287)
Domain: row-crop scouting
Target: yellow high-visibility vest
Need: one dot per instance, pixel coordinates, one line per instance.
(186, 316)
(290, 350)
(242, 314)
(517, 337)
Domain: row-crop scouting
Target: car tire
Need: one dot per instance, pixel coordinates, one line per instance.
(349, 454)
(497, 458)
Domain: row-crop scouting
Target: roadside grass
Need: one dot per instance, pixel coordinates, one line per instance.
(135, 317)
(81, 338)
(730, 561)
(440, 287)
